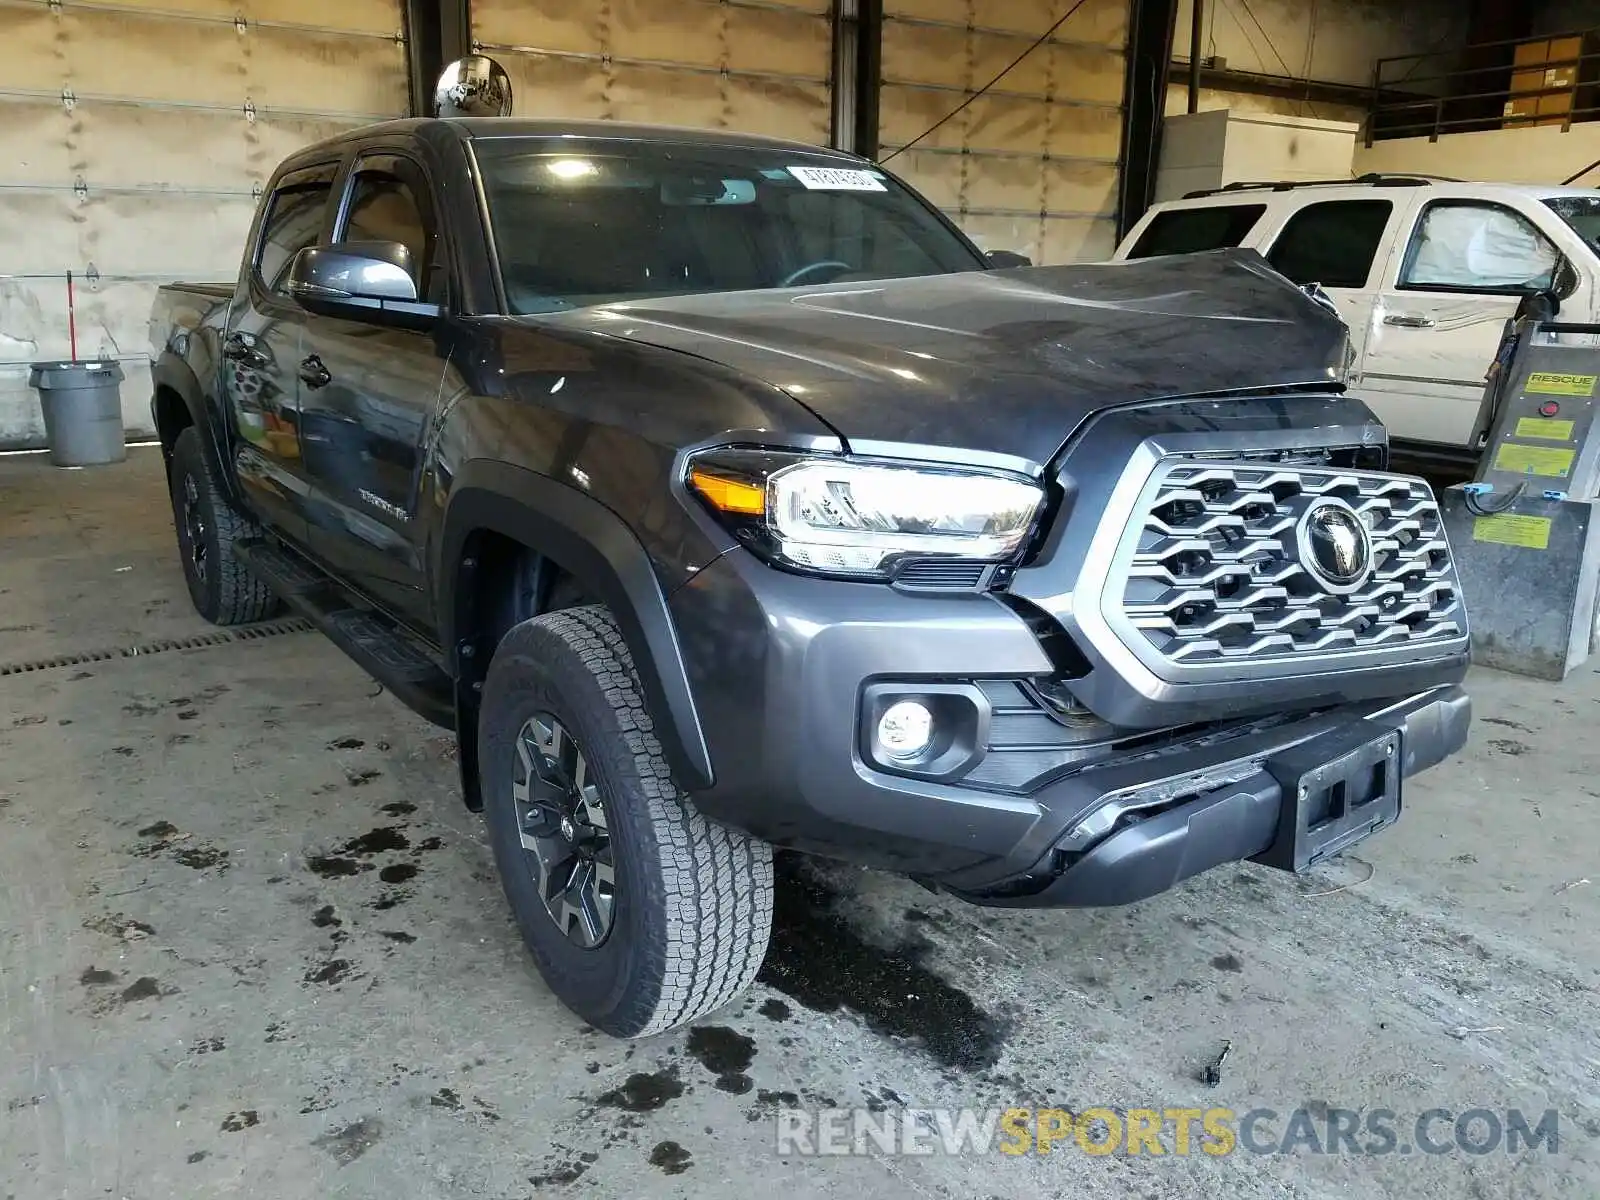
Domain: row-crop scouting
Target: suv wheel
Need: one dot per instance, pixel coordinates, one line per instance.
(222, 588)
(639, 912)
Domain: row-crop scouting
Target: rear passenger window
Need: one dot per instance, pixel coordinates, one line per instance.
(293, 222)
(1190, 230)
(1332, 243)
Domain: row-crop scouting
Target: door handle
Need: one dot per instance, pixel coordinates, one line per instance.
(234, 347)
(314, 373)
(1409, 321)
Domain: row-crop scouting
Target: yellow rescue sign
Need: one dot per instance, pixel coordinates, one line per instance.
(1554, 383)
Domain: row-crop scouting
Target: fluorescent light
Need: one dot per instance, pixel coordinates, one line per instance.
(570, 168)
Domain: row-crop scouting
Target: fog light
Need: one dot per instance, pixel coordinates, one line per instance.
(905, 729)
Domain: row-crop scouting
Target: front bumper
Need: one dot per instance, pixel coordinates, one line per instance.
(1216, 824)
(781, 666)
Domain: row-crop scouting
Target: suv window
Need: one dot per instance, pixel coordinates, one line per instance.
(391, 205)
(1190, 230)
(1471, 246)
(293, 222)
(1332, 243)
(1580, 212)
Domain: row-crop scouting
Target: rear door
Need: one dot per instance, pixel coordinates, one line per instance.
(368, 393)
(1455, 279)
(261, 348)
(1342, 245)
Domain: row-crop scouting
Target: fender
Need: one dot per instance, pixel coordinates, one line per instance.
(597, 548)
(174, 374)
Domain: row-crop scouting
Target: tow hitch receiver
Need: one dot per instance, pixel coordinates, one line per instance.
(1337, 790)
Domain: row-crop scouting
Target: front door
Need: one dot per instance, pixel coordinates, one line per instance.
(261, 348)
(368, 394)
(1447, 295)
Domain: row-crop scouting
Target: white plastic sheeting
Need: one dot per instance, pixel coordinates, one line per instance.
(134, 135)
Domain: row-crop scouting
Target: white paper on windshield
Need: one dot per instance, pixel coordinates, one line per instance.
(837, 179)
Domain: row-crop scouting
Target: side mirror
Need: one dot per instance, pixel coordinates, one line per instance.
(1001, 259)
(1542, 305)
(360, 281)
(1566, 282)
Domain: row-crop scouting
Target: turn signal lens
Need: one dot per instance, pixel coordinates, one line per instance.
(729, 495)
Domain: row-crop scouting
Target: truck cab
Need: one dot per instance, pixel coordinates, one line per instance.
(1425, 272)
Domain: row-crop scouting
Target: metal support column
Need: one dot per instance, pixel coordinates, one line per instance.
(437, 32)
(1196, 43)
(846, 48)
(866, 71)
(1149, 55)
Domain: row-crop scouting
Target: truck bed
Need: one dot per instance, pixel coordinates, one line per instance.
(180, 309)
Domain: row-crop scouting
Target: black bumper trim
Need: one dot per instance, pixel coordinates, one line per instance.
(1229, 824)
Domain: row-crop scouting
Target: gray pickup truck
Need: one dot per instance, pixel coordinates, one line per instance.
(722, 496)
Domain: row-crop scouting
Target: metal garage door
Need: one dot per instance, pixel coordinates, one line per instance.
(134, 136)
(754, 65)
(1030, 166)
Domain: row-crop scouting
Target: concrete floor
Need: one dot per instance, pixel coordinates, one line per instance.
(251, 944)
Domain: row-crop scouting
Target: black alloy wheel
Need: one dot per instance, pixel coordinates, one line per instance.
(194, 530)
(561, 821)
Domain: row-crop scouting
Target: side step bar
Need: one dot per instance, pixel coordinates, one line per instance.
(378, 646)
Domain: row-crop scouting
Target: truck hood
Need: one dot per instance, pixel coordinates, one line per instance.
(1003, 363)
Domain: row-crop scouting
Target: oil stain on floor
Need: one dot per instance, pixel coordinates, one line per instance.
(820, 960)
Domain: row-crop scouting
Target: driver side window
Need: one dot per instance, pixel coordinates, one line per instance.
(389, 203)
(1475, 247)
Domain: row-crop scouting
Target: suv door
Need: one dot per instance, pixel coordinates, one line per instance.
(1439, 318)
(262, 346)
(1343, 246)
(367, 395)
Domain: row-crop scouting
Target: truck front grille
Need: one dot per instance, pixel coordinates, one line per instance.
(1222, 570)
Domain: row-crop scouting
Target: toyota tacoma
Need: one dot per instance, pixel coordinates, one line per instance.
(721, 496)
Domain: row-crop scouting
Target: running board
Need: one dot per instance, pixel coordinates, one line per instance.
(378, 646)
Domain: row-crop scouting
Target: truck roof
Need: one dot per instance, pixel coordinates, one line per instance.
(474, 128)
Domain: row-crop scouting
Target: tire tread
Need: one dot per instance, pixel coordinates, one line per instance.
(714, 884)
(241, 597)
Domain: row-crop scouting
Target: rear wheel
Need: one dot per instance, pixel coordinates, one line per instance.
(221, 586)
(639, 913)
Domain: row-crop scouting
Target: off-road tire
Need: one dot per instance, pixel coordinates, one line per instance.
(693, 906)
(227, 594)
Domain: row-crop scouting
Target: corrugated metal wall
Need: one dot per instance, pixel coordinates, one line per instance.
(756, 65)
(1032, 165)
(134, 135)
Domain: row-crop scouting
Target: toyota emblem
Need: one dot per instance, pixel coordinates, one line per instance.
(1335, 546)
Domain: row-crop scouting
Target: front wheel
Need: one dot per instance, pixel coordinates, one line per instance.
(639, 913)
(222, 588)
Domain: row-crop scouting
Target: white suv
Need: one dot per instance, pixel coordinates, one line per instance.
(1425, 272)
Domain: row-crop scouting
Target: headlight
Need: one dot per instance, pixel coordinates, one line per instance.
(838, 516)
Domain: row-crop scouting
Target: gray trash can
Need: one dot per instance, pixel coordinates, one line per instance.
(82, 404)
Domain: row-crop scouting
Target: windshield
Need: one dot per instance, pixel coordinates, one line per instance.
(1582, 213)
(609, 220)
